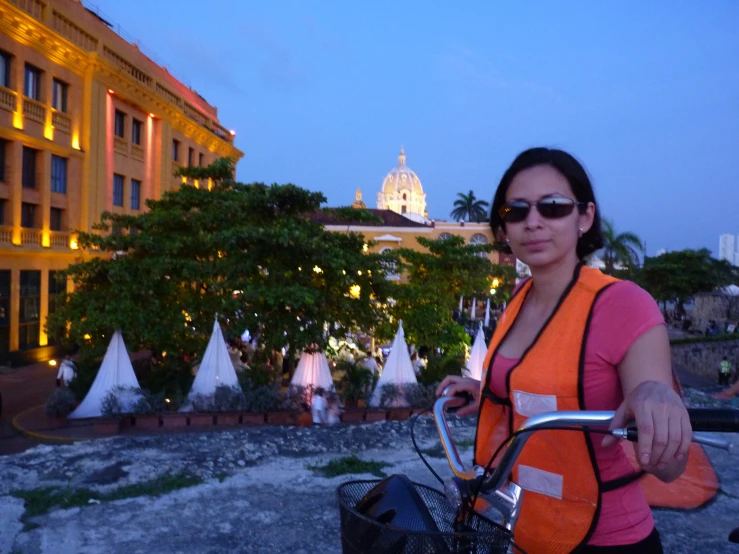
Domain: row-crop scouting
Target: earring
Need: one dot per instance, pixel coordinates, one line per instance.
(580, 232)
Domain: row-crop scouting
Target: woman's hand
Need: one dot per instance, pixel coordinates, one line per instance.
(664, 428)
(457, 384)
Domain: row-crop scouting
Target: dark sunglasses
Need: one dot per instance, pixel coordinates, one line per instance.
(556, 207)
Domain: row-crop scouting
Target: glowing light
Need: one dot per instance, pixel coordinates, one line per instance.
(354, 291)
(52, 362)
(49, 130)
(76, 140)
(343, 271)
(111, 91)
(365, 247)
(151, 115)
(300, 268)
(166, 400)
(86, 336)
(18, 120)
(164, 354)
(45, 240)
(492, 291)
(73, 244)
(233, 133)
(317, 269)
(359, 272)
(496, 283)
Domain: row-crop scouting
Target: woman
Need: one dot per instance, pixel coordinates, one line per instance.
(572, 338)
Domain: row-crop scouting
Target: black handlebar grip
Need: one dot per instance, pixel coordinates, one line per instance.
(718, 420)
(467, 399)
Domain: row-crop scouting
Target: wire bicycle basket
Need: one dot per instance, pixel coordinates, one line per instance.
(418, 520)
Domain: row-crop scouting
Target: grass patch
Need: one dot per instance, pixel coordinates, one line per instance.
(350, 464)
(436, 452)
(42, 501)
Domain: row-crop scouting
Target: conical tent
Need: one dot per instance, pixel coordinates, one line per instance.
(115, 371)
(313, 371)
(216, 367)
(477, 356)
(398, 369)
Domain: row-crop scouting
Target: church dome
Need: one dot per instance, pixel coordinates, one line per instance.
(402, 178)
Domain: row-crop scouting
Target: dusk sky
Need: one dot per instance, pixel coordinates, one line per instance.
(323, 93)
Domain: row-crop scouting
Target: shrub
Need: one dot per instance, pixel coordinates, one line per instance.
(261, 399)
(390, 395)
(87, 370)
(149, 403)
(420, 396)
(121, 400)
(357, 383)
(228, 399)
(60, 403)
(439, 367)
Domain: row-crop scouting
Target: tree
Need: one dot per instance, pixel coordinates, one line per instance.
(678, 276)
(435, 281)
(469, 208)
(248, 253)
(619, 248)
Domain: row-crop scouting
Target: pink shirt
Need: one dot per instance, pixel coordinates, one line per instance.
(622, 313)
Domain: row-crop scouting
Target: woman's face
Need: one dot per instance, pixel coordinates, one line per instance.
(538, 241)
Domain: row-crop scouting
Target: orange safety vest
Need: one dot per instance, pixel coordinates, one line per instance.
(557, 469)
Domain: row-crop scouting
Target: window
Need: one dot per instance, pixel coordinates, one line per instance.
(3, 203)
(59, 100)
(136, 131)
(120, 124)
(32, 83)
(30, 297)
(3, 146)
(117, 190)
(176, 150)
(403, 209)
(58, 174)
(4, 312)
(29, 168)
(135, 194)
(57, 286)
(55, 221)
(190, 156)
(201, 160)
(28, 215)
(479, 238)
(5, 69)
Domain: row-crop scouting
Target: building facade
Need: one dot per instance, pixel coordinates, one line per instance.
(727, 249)
(87, 124)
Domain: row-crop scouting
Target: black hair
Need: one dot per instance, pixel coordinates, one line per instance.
(576, 176)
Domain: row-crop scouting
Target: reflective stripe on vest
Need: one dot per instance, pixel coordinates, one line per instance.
(556, 468)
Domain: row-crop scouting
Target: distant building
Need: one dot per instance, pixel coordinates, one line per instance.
(661, 251)
(727, 248)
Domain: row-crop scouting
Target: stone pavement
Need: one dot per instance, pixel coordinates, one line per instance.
(258, 494)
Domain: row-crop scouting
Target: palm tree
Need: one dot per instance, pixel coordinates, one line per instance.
(469, 208)
(621, 248)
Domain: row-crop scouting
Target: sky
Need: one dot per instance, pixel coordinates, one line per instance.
(322, 94)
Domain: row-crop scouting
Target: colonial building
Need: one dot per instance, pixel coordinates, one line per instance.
(88, 123)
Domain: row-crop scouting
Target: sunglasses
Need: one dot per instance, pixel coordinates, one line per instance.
(556, 207)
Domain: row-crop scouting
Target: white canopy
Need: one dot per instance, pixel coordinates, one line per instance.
(115, 371)
(477, 356)
(398, 369)
(731, 290)
(216, 367)
(313, 371)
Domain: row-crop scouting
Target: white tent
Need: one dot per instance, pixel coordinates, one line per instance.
(731, 290)
(216, 367)
(115, 371)
(398, 369)
(473, 367)
(313, 371)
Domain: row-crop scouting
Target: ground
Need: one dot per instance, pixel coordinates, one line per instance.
(249, 490)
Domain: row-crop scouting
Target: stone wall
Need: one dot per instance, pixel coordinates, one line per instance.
(702, 358)
(721, 308)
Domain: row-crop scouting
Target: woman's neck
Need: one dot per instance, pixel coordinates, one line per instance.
(550, 282)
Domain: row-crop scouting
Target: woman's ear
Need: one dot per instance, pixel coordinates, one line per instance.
(587, 217)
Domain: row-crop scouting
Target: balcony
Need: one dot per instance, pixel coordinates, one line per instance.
(120, 145)
(137, 153)
(31, 237)
(61, 121)
(7, 99)
(34, 110)
(34, 8)
(58, 239)
(6, 235)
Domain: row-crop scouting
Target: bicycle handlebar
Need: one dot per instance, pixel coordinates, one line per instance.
(701, 419)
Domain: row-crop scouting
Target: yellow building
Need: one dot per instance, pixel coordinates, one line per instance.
(88, 123)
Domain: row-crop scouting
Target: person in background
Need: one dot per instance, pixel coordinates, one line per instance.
(67, 371)
(724, 372)
(334, 409)
(319, 408)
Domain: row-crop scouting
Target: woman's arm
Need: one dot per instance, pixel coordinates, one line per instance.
(661, 418)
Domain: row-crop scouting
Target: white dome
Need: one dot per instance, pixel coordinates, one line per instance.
(402, 191)
(402, 178)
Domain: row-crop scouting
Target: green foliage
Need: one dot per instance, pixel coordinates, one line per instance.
(619, 248)
(60, 403)
(350, 465)
(436, 279)
(390, 395)
(678, 276)
(86, 371)
(440, 367)
(357, 383)
(348, 214)
(43, 500)
(468, 207)
(420, 395)
(244, 252)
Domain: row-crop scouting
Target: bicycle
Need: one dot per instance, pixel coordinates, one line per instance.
(397, 516)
